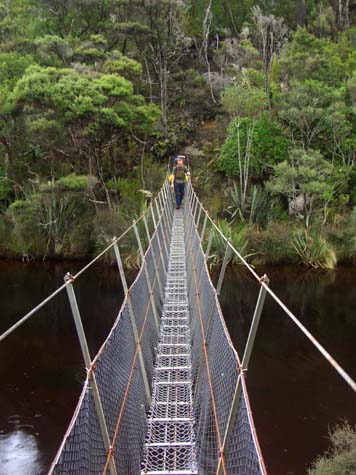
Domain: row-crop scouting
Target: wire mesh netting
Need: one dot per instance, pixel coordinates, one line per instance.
(180, 343)
(215, 372)
(120, 380)
(170, 440)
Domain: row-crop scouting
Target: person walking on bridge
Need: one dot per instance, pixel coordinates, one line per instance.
(180, 172)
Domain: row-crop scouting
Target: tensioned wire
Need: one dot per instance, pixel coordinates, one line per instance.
(79, 273)
(288, 312)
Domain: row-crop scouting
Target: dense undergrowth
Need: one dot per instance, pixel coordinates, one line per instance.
(97, 96)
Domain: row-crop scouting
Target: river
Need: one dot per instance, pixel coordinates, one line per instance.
(295, 395)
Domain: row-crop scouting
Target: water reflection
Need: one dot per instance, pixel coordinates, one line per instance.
(19, 453)
(295, 395)
(41, 367)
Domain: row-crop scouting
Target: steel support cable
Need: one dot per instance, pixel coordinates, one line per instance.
(251, 423)
(122, 408)
(221, 455)
(100, 352)
(240, 370)
(306, 332)
(157, 268)
(74, 277)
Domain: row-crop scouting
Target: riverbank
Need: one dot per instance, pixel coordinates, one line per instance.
(281, 242)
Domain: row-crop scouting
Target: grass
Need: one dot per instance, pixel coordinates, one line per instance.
(340, 458)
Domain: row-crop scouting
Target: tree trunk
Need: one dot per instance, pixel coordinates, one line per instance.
(347, 15)
(340, 15)
(163, 94)
(300, 12)
(206, 32)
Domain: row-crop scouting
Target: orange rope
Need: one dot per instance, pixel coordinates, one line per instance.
(216, 420)
(150, 302)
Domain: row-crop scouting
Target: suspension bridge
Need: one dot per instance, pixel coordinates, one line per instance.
(166, 393)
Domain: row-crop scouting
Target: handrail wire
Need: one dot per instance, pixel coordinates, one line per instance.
(240, 371)
(289, 313)
(205, 352)
(22, 320)
(150, 303)
(102, 348)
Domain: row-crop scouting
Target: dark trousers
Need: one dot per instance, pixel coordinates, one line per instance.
(179, 192)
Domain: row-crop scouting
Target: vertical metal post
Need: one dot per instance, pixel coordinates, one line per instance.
(149, 287)
(204, 227)
(155, 223)
(223, 267)
(157, 207)
(191, 198)
(156, 263)
(199, 214)
(164, 230)
(159, 242)
(161, 201)
(132, 319)
(210, 240)
(168, 215)
(91, 375)
(255, 322)
(168, 197)
(166, 201)
(244, 365)
(194, 206)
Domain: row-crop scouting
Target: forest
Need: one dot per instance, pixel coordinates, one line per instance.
(97, 97)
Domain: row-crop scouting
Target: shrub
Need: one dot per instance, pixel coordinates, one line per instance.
(6, 189)
(269, 146)
(340, 458)
(26, 239)
(314, 250)
(75, 182)
(343, 238)
(237, 234)
(260, 207)
(273, 245)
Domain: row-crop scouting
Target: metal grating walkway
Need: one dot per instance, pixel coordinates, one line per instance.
(170, 445)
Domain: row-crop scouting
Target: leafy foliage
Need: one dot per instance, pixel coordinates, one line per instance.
(269, 146)
(340, 459)
(313, 250)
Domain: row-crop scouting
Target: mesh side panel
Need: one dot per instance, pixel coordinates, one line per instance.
(84, 451)
(242, 454)
(150, 265)
(242, 457)
(180, 429)
(113, 368)
(128, 448)
(139, 298)
(224, 375)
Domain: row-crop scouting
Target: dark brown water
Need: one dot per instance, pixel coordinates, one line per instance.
(295, 396)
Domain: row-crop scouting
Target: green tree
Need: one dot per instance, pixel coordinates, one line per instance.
(89, 113)
(304, 179)
(307, 57)
(307, 111)
(269, 147)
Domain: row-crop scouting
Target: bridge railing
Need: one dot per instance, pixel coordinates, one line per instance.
(109, 423)
(227, 441)
(209, 228)
(108, 429)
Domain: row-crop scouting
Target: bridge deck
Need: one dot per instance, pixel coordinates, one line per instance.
(170, 445)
